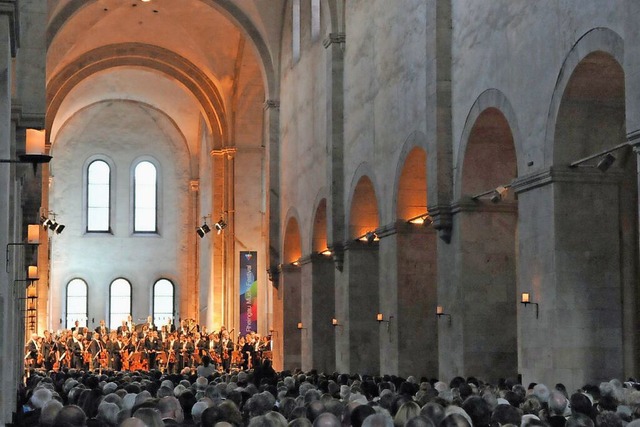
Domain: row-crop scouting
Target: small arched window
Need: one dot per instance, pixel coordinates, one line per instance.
(98, 196)
(77, 303)
(163, 300)
(120, 302)
(145, 198)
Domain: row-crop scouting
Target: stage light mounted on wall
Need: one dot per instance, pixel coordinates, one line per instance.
(203, 229)
(496, 194)
(526, 300)
(606, 159)
(606, 162)
(424, 219)
(220, 225)
(51, 224)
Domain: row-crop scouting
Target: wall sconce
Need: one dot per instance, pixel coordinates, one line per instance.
(334, 323)
(606, 158)
(33, 239)
(327, 252)
(424, 219)
(301, 326)
(296, 263)
(35, 150)
(526, 300)
(380, 319)
(440, 312)
(220, 225)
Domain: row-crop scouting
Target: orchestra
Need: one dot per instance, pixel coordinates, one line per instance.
(144, 347)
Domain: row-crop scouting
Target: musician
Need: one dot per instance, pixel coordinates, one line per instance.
(49, 351)
(248, 351)
(150, 325)
(124, 329)
(225, 350)
(102, 329)
(33, 349)
(170, 326)
(76, 347)
(95, 347)
(173, 348)
(186, 352)
(200, 345)
(152, 345)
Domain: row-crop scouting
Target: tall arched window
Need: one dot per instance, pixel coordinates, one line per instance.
(162, 301)
(120, 302)
(77, 306)
(145, 198)
(98, 196)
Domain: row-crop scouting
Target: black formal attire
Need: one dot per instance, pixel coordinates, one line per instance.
(226, 351)
(49, 349)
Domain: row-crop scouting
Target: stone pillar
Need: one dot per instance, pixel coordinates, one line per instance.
(357, 303)
(272, 132)
(289, 296)
(318, 309)
(570, 252)
(480, 336)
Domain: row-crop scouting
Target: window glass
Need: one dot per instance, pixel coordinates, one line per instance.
(145, 204)
(76, 303)
(98, 196)
(120, 304)
(162, 302)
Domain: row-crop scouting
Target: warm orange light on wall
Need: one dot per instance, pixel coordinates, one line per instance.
(32, 272)
(33, 234)
(35, 141)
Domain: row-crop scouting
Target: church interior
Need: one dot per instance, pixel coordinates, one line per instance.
(417, 187)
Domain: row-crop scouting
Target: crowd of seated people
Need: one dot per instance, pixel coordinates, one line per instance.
(143, 346)
(261, 397)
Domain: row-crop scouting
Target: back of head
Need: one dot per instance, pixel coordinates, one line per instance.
(506, 414)
(541, 392)
(314, 409)
(608, 419)
(70, 415)
(407, 411)
(479, 411)
(49, 412)
(579, 420)
(326, 419)
(360, 413)
(300, 422)
(454, 420)
(151, 417)
(420, 421)
(434, 411)
(557, 403)
(378, 420)
(581, 404)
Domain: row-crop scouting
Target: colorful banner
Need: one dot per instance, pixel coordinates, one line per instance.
(248, 292)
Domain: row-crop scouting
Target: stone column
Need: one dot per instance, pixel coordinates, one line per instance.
(357, 303)
(272, 138)
(570, 252)
(318, 309)
(288, 299)
(480, 336)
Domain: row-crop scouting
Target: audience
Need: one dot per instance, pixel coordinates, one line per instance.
(297, 399)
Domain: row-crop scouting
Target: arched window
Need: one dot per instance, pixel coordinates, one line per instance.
(98, 196)
(120, 302)
(162, 301)
(77, 306)
(145, 198)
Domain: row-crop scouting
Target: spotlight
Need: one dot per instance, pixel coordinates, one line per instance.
(498, 194)
(46, 223)
(57, 227)
(220, 225)
(605, 163)
(203, 230)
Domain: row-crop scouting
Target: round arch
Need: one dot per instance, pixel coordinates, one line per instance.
(318, 231)
(495, 101)
(597, 39)
(362, 203)
(415, 143)
(292, 242)
(147, 56)
(226, 7)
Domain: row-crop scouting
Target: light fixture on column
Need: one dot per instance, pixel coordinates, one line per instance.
(300, 326)
(327, 252)
(423, 219)
(32, 275)
(526, 300)
(52, 224)
(334, 323)
(380, 318)
(220, 225)
(496, 194)
(440, 313)
(606, 159)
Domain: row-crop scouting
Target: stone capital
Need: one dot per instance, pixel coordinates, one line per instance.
(194, 185)
(271, 104)
(229, 152)
(442, 220)
(334, 38)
